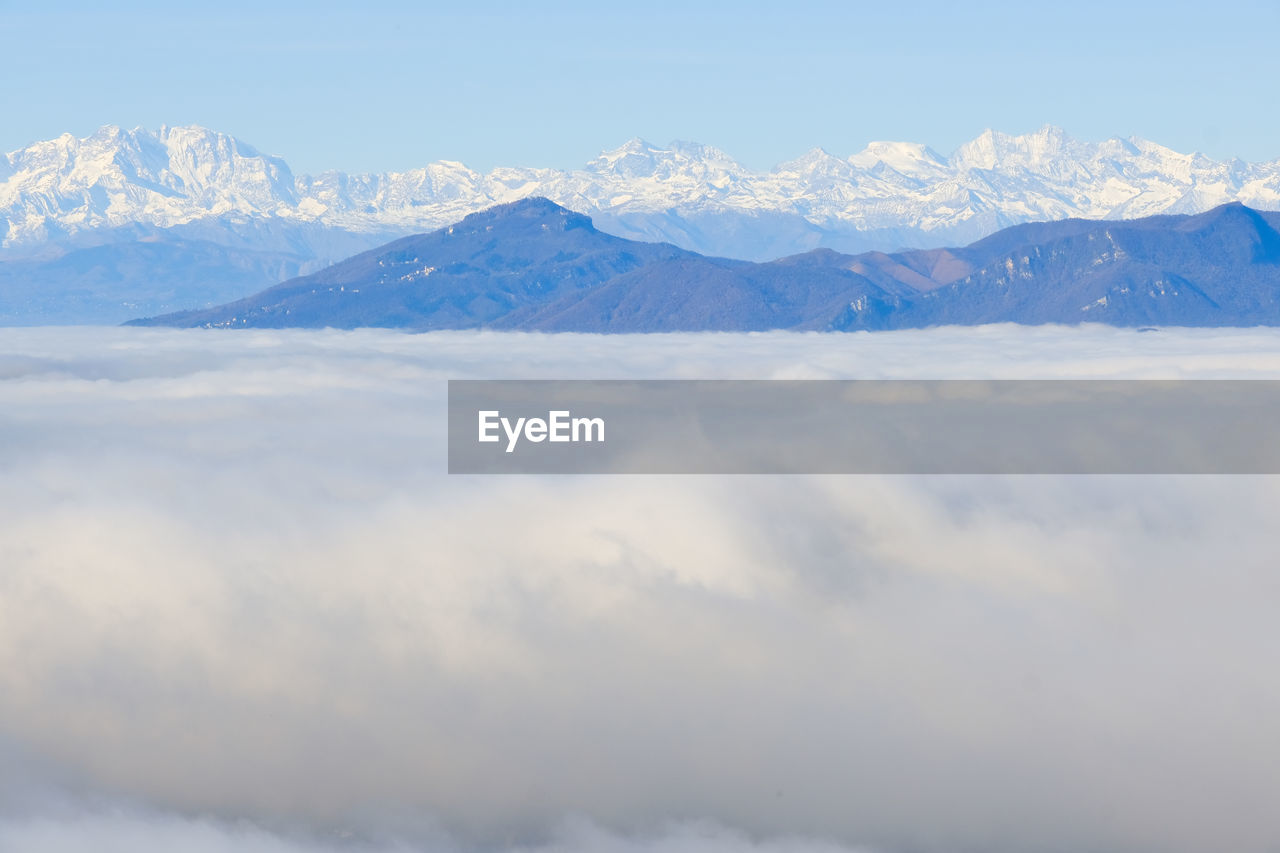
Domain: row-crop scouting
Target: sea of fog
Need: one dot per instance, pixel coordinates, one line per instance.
(243, 607)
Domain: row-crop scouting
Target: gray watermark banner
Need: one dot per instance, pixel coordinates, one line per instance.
(864, 427)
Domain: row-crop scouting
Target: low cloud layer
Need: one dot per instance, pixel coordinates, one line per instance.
(242, 607)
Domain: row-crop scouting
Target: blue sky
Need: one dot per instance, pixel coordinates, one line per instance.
(387, 85)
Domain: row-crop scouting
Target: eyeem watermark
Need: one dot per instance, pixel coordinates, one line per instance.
(864, 427)
(558, 426)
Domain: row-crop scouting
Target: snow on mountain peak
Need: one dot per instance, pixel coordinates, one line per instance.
(815, 159)
(176, 175)
(909, 158)
(816, 173)
(635, 156)
(640, 159)
(993, 150)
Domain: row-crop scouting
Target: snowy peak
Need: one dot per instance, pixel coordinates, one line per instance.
(638, 159)
(116, 177)
(909, 158)
(634, 158)
(900, 193)
(1035, 152)
(814, 165)
(205, 162)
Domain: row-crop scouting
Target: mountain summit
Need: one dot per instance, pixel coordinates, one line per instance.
(469, 274)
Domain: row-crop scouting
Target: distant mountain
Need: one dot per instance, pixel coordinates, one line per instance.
(1217, 268)
(188, 183)
(889, 195)
(533, 265)
(150, 271)
(117, 281)
(470, 274)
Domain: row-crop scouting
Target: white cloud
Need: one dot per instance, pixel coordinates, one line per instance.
(122, 832)
(129, 831)
(236, 584)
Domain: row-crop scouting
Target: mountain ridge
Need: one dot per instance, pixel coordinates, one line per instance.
(533, 265)
(890, 191)
(73, 211)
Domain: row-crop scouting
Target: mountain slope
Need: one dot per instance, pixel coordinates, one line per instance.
(533, 265)
(470, 274)
(1221, 267)
(694, 294)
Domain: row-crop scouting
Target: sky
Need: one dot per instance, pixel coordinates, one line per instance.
(243, 608)
(385, 85)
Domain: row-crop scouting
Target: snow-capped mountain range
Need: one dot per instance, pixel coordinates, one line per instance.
(889, 195)
(126, 223)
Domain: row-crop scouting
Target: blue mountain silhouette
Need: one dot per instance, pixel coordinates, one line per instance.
(533, 265)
